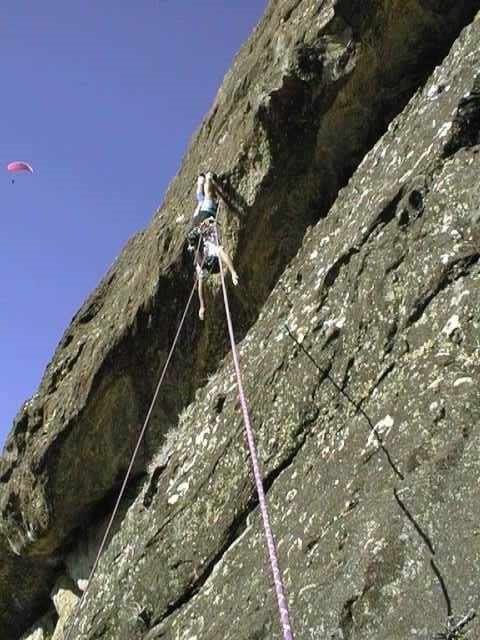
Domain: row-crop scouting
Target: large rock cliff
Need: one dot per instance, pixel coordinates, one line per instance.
(360, 359)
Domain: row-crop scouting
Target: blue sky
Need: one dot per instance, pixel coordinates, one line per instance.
(102, 99)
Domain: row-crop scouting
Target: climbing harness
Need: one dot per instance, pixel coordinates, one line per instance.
(204, 234)
(271, 545)
(132, 460)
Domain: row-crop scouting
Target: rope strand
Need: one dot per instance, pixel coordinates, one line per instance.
(134, 455)
(271, 545)
(270, 540)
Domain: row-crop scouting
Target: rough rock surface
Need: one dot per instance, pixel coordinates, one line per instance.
(65, 598)
(42, 630)
(383, 295)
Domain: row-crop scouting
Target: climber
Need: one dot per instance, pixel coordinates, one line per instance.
(207, 198)
(207, 259)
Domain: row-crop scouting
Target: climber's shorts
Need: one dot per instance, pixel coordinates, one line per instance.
(202, 216)
(207, 204)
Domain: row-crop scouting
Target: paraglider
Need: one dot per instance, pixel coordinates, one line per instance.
(19, 166)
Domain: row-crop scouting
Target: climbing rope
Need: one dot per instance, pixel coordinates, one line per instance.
(271, 545)
(135, 452)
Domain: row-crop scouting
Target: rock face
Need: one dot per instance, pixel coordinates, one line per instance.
(65, 599)
(366, 415)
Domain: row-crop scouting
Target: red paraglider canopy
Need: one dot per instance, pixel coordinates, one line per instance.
(19, 166)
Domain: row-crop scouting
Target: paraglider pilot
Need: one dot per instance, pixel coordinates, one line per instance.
(14, 167)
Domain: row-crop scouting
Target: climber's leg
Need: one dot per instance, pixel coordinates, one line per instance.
(225, 258)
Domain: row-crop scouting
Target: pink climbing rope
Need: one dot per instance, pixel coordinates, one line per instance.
(272, 547)
(134, 455)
